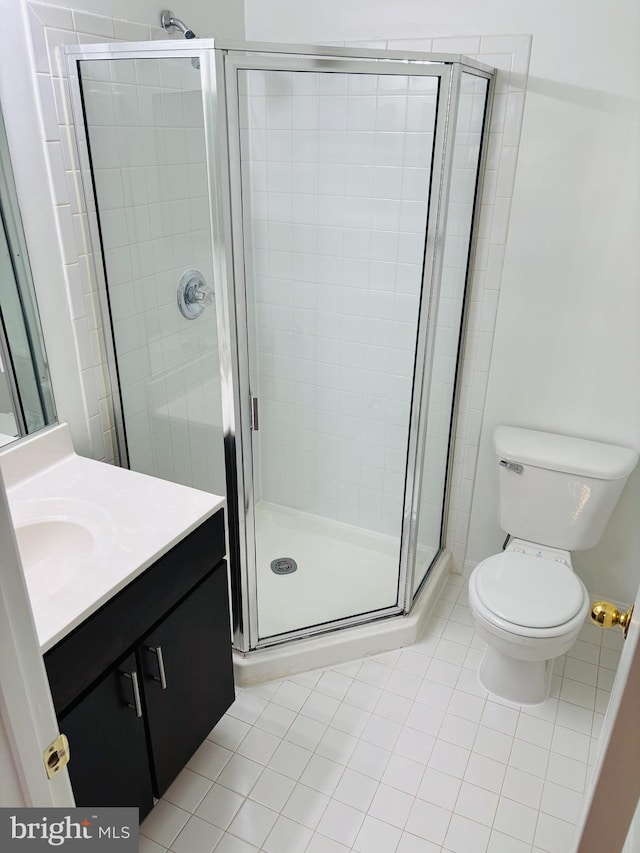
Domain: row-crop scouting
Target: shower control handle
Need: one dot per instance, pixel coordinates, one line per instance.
(197, 292)
(194, 294)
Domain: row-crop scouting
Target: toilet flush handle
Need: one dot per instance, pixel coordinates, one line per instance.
(516, 467)
(607, 615)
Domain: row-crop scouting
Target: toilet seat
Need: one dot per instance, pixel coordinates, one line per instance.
(527, 591)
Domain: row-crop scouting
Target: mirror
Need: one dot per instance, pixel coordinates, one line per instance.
(26, 397)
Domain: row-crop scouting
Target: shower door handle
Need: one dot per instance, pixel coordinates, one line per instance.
(255, 415)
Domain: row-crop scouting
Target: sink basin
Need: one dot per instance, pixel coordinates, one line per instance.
(59, 542)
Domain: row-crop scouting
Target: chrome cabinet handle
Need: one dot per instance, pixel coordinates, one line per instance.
(162, 676)
(137, 704)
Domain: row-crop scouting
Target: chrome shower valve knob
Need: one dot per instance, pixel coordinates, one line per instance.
(194, 294)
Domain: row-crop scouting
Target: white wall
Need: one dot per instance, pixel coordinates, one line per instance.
(566, 354)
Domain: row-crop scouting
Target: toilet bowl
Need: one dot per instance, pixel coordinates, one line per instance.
(529, 606)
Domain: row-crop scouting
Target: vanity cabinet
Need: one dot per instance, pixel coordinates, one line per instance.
(139, 685)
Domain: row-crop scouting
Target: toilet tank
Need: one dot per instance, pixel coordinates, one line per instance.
(558, 490)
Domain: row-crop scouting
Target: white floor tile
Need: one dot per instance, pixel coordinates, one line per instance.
(529, 758)
(305, 806)
(522, 787)
(287, 836)
(272, 789)
(466, 836)
(439, 788)
(428, 821)
(275, 719)
(485, 772)
(231, 844)
(553, 835)
(426, 719)
(336, 745)
(341, 822)
(291, 695)
(188, 790)
(290, 759)
(567, 772)
(197, 836)
(306, 732)
(374, 673)
(164, 823)
(334, 684)
(476, 803)
(355, 790)
(391, 806)
(220, 806)
(449, 758)
(369, 759)
(229, 732)
(321, 774)
(381, 732)
(571, 743)
(413, 844)
(322, 844)
(209, 760)
(240, 774)
(253, 822)
(404, 774)
(516, 819)
(320, 707)
(561, 802)
(456, 730)
(466, 706)
(247, 707)
(500, 843)
(493, 744)
(146, 845)
(258, 745)
(375, 836)
(534, 730)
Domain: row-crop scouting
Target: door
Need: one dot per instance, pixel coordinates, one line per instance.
(333, 195)
(613, 797)
(107, 744)
(188, 676)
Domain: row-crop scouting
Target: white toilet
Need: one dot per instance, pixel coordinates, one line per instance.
(557, 494)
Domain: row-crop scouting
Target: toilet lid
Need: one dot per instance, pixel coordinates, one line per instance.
(530, 591)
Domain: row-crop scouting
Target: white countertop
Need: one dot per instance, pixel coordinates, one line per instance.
(133, 520)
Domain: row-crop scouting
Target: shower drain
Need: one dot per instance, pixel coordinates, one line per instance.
(283, 566)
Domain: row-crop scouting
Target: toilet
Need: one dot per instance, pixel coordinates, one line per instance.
(556, 494)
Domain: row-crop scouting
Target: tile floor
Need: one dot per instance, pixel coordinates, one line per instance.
(398, 753)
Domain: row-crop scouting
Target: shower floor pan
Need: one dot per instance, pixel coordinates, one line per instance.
(342, 570)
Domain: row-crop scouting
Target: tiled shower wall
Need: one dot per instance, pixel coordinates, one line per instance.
(53, 26)
(146, 133)
(336, 206)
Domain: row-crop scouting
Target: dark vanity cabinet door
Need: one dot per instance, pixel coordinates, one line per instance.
(108, 764)
(187, 677)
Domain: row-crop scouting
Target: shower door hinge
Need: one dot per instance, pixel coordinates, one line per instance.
(255, 419)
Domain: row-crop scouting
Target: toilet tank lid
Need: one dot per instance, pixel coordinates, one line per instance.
(564, 453)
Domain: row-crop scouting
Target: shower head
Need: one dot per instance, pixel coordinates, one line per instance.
(170, 23)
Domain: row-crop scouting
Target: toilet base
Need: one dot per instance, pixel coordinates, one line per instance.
(524, 682)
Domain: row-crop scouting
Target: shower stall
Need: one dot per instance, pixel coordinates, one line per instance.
(283, 238)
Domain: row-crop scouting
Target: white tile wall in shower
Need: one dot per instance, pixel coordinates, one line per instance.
(336, 209)
(51, 27)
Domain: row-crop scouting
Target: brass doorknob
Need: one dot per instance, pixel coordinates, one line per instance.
(607, 615)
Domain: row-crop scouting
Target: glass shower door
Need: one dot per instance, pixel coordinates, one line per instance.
(336, 178)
